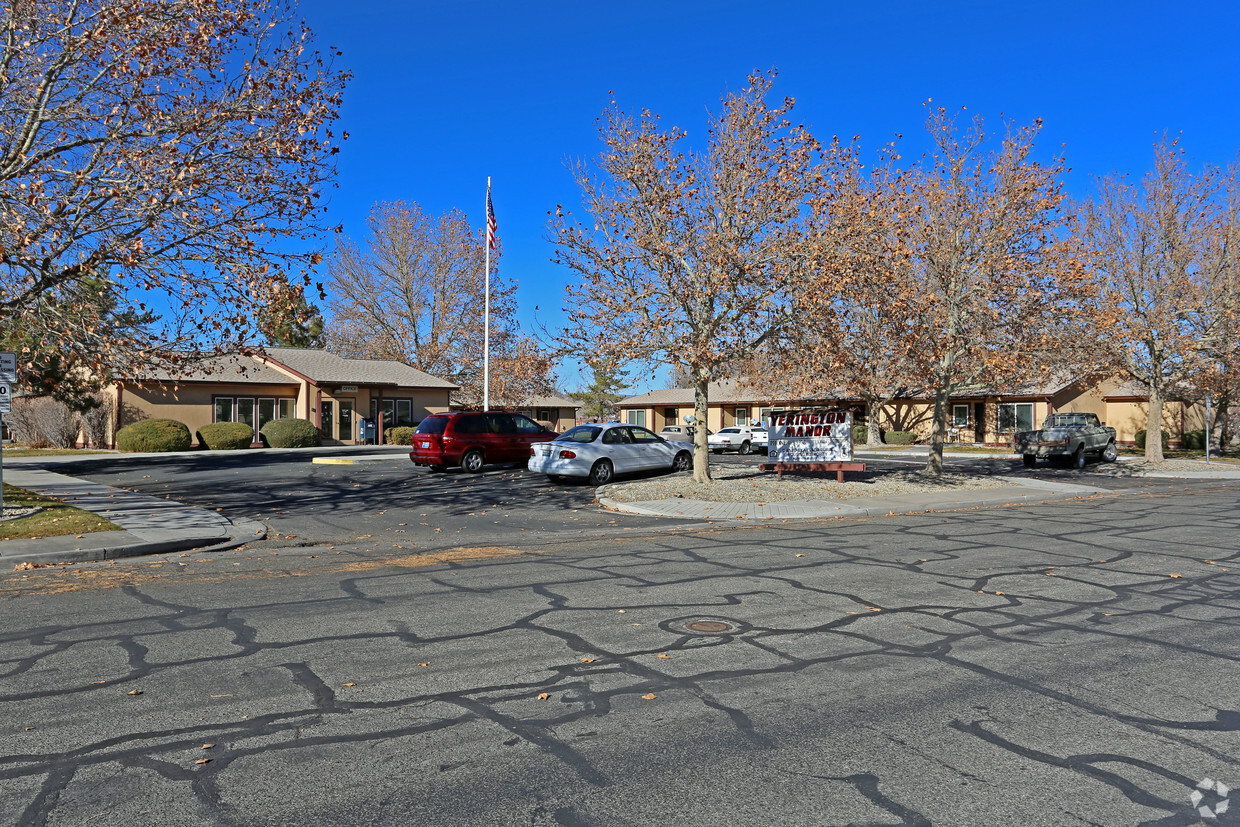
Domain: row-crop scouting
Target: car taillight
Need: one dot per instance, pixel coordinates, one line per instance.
(567, 455)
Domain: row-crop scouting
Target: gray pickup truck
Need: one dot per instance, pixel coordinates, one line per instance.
(1067, 436)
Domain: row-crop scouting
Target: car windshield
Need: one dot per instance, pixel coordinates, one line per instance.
(582, 433)
(433, 425)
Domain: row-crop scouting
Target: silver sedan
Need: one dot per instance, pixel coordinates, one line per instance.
(599, 452)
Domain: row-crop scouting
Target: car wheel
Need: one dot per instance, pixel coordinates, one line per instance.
(437, 469)
(1078, 457)
(472, 461)
(1030, 460)
(682, 462)
(746, 449)
(1110, 453)
(601, 473)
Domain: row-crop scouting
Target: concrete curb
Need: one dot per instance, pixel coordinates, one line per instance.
(1029, 491)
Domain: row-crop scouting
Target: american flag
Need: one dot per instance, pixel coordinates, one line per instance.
(491, 225)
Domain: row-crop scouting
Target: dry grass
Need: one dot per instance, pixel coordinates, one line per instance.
(54, 520)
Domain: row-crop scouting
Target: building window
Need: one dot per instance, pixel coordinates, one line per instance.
(223, 409)
(765, 415)
(1015, 416)
(742, 416)
(395, 411)
(670, 414)
(285, 408)
(546, 415)
(636, 417)
(960, 416)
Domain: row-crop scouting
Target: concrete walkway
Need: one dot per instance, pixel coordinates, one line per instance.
(150, 525)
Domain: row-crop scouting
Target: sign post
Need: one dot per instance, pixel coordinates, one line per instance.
(8, 374)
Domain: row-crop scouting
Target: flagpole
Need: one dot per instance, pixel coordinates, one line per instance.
(486, 308)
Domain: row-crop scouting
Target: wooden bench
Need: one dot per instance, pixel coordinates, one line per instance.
(838, 467)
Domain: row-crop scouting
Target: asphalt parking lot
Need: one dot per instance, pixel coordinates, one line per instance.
(392, 502)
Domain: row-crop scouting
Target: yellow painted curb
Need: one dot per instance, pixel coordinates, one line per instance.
(331, 461)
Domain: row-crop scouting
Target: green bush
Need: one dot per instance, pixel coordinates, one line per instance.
(400, 435)
(226, 436)
(1194, 440)
(899, 437)
(151, 435)
(860, 433)
(1139, 438)
(290, 433)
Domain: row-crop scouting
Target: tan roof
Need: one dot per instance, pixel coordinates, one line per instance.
(328, 368)
(551, 401)
(735, 391)
(221, 367)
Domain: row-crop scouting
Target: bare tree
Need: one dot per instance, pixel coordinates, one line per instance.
(172, 151)
(856, 312)
(413, 291)
(994, 266)
(687, 257)
(1163, 255)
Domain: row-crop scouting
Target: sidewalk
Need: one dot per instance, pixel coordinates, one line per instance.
(150, 525)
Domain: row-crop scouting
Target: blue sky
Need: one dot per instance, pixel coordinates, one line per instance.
(445, 94)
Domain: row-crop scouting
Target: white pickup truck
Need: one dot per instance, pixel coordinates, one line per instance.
(743, 439)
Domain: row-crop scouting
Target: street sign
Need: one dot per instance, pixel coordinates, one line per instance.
(8, 366)
(6, 399)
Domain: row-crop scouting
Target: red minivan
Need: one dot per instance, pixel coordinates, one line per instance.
(472, 439)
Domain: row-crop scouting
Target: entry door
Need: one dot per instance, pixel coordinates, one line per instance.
(346, 420)
(327, 418)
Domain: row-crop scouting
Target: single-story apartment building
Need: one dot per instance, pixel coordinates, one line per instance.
(981, 416)
(350, 401)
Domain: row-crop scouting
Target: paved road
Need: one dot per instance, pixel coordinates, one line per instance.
(1068, 663)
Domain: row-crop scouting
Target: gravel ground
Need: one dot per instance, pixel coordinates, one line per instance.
(1174, 466)
(12, 512)
(747, 485)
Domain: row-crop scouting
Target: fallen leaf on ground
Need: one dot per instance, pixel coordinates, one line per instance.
(206, 746)
(649, 697)
(350, 683)
(424, 664)
(542, 696)
(800, 555)
(1175, 575)
(134, 692)
(662, 655)
(587, 660)
(203, 761)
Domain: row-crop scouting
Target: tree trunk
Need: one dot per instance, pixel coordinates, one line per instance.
(701, 450)
(1153, 426)
(1222, 405)
(873, 436)
(938, 431)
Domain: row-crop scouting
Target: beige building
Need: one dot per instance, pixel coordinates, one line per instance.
(350, 401)
(985, 416)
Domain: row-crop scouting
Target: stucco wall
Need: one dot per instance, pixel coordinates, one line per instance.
(191, 404)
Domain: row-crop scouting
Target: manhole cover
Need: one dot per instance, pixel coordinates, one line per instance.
(708, 626)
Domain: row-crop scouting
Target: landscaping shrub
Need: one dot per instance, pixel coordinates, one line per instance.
(226, 436)
(151, 435)
(860, 433)
(1139, 439)
(43, 422)
(899, 437)
(400, 435)
(1194, 440)
(290, 433)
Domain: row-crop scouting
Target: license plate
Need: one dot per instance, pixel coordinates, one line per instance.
(424, 444)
